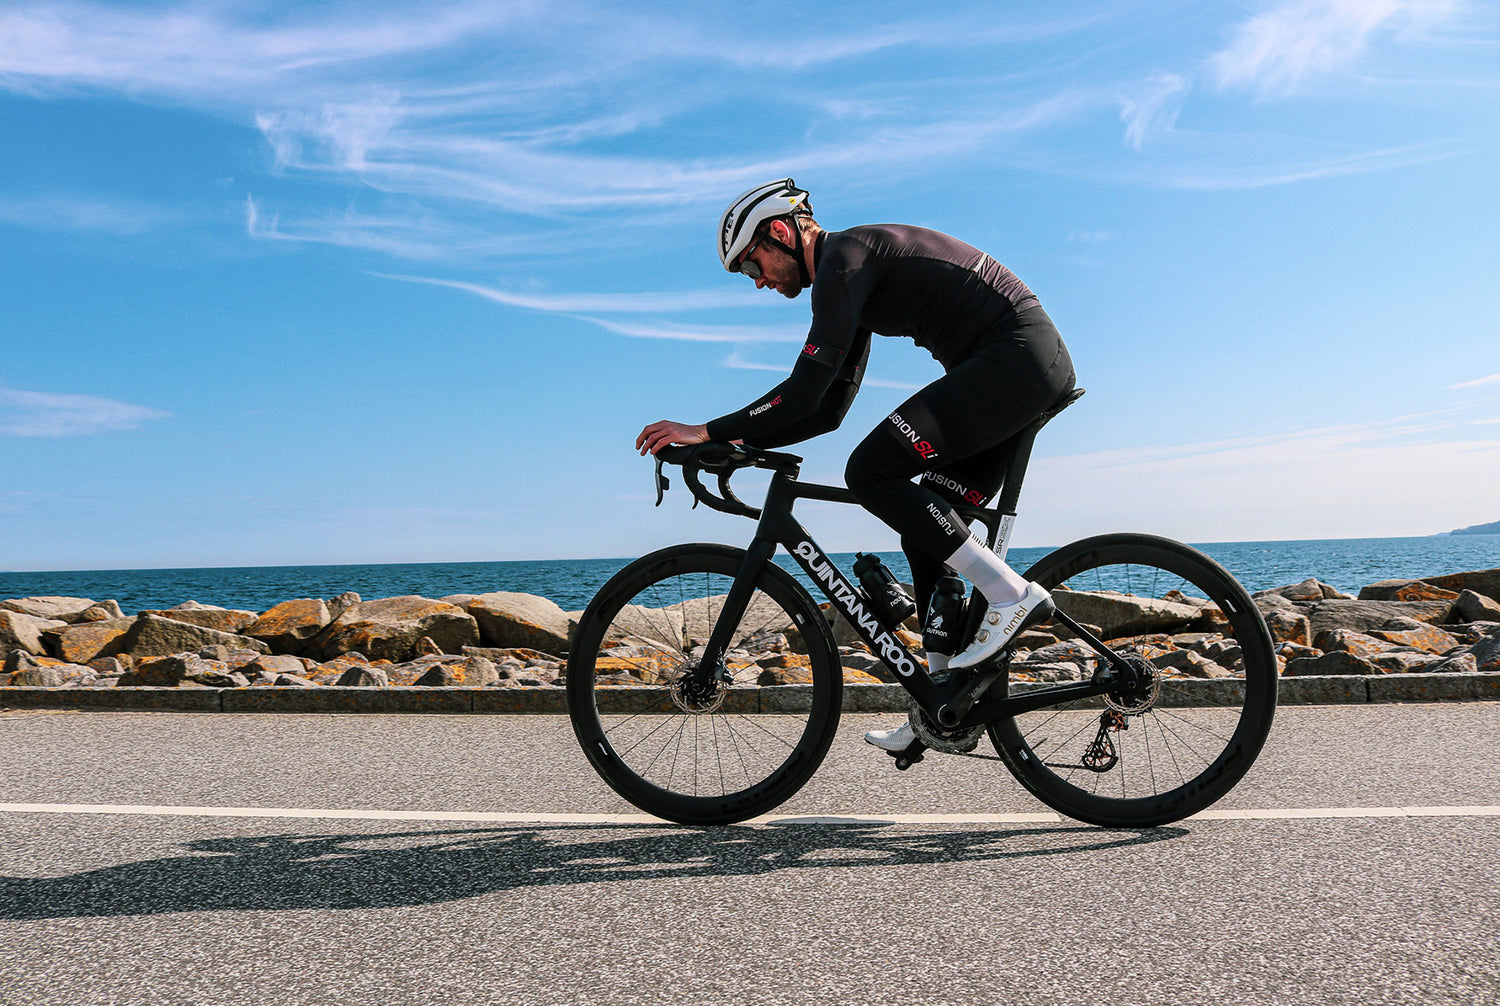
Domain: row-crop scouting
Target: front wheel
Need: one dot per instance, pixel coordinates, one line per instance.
(674, 745)
(1191, 723)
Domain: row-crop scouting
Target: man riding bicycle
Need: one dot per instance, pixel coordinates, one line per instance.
(1004, 365)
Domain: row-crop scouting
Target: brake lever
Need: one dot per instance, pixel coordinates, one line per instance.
(662, 482)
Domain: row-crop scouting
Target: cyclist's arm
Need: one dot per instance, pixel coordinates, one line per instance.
(794, 400)
(831, 408)
(834, 343)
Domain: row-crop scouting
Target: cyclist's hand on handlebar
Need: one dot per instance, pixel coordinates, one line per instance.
(664, 432)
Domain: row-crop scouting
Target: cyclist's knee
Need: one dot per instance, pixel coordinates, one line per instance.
(865, 473)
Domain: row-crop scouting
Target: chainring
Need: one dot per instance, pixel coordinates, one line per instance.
(935, 737)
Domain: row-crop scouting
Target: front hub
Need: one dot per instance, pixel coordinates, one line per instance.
(698, 692)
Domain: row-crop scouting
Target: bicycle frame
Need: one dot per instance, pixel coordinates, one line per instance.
(954, 704)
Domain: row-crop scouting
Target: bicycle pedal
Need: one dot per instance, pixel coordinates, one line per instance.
(909, 756)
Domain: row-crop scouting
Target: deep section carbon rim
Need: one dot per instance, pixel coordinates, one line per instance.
(1190, 726)
(682, 750)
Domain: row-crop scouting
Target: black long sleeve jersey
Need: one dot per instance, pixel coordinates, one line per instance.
(886, 279)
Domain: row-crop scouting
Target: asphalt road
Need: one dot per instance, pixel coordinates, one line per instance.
(128, 908)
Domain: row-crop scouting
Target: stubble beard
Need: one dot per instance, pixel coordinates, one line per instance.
(789, 285)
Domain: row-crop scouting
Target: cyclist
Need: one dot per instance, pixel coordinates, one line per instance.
(1004, 364)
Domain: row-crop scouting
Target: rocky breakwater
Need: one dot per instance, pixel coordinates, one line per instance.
(497, 639)
(1447, 623)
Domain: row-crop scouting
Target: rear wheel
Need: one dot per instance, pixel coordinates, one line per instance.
(1195, 718)
(682, 749)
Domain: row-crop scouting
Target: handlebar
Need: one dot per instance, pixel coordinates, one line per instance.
(724, 459)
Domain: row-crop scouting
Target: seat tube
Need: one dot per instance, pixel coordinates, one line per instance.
(1000, 535)
(1010, 491)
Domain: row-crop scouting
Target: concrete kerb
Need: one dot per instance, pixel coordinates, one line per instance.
(1332, 690)
(1457, 687)
(858, 698)
(191, 700)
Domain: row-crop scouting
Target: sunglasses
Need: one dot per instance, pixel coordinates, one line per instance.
(746, 266)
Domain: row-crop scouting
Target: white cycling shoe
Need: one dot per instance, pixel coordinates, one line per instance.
(895, 741)
(1003, 622)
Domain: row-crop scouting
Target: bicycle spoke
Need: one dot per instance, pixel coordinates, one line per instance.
(648, 735)
(666, 742)
(1183, 741)
(707, 748)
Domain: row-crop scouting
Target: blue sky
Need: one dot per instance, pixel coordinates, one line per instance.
(328, 282)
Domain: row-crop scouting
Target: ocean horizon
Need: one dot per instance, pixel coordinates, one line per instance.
(1345, 563)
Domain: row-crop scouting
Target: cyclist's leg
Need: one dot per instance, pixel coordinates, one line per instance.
(881, 471)
(1003, 386)
(970, 481)
(978, 405)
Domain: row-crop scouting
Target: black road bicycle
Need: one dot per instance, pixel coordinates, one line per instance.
(1152, 704)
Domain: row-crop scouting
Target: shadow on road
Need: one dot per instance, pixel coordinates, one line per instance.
(392, 869)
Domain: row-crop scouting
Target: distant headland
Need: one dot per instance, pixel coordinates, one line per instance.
(1491, 528)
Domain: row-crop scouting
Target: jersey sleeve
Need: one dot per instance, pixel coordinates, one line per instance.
(835, 348)
(831, 408)
(793, 400)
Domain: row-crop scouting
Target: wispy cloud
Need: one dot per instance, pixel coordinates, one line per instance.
(1280, 48)
(472, 123)
(1262, 487)
(586, 307)
(1277, 53)
(1292, 446)
(457, 131)
(199, 52)
(573, 303)
(737, 361)
(1477, 382)
(45, 414)
(685, 332)
(82, 213)
(1255, 171)
(1154, 108)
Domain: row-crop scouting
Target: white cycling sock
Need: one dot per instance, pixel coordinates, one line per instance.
(988, 572)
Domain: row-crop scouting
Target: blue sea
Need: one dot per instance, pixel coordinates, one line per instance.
(1347, 564)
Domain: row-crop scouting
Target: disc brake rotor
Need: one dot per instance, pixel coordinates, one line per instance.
(1141, 695)
(695, 697)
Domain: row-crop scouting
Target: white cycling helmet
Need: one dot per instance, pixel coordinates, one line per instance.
(737, 227)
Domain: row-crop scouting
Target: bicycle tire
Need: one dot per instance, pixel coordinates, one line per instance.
(1198, 736)
(676, 757)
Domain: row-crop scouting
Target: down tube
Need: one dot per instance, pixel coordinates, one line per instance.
(882, 641)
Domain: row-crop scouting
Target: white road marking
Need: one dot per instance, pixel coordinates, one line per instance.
(1287, 814)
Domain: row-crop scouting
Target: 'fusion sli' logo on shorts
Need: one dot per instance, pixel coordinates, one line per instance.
(924, 448)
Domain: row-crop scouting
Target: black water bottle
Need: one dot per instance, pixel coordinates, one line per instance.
(881, 589)
(945, 616)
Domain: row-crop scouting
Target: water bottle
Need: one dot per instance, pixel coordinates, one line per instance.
(945, 616)
(882, 591)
